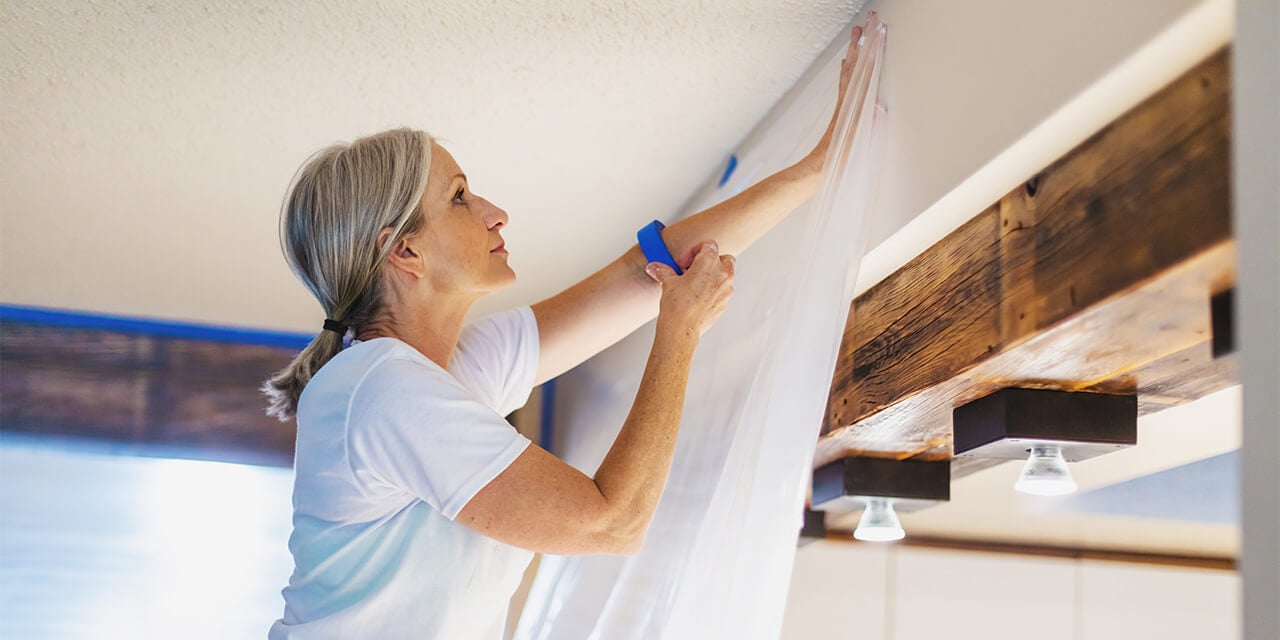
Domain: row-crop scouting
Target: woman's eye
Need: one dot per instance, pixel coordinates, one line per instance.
(457, 197)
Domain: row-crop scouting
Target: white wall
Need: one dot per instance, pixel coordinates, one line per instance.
(1256, 77)
(868, 591)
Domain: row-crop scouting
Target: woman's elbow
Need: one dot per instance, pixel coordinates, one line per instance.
(633, 542)
(623, 536)
(624, 543)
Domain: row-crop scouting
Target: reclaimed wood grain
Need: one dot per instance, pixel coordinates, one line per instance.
(194, 395)
(1094, 275)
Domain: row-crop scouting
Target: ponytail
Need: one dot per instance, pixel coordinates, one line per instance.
(284, 389)
(338, 203)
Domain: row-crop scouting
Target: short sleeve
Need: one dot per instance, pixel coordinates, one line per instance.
(413, 427)
(497, 358)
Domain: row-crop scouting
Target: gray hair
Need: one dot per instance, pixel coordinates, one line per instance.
(338, 203)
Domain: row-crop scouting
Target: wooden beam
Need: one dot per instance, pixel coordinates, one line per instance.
(1095, 275)
(195, 396)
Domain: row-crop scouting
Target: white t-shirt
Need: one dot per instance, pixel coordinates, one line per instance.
(390, 448)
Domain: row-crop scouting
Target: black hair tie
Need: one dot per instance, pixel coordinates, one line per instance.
(335, 326)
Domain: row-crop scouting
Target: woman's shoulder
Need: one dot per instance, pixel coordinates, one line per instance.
(370, 367)
(388, 358)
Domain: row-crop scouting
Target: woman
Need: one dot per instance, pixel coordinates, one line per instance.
(416, 506)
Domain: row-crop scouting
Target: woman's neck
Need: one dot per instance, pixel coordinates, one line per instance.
(432, 326)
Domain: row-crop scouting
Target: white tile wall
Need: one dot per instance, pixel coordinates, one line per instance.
(943, 594)
(1123, 602)
(866, 591)
(837, 591)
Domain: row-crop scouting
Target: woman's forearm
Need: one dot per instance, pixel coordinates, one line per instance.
(634, 472)
(739, 221)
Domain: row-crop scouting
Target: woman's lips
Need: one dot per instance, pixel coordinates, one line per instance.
(502, 249)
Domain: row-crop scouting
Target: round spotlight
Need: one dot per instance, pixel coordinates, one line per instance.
(879, 523)
(1046, 473)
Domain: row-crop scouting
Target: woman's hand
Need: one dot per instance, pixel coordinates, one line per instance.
(819, 153)
(691, 303)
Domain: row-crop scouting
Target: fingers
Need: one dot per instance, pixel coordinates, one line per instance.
(850, 59)
(708, 259)
(707, 253)
(727, 263)
(659, 272)
(698, 298)
(700, 258)
(855, 39)
(685, 261)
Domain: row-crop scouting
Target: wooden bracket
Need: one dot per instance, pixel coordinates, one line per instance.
(845, 484)
(1007, 423)
(1222, 311)
(814, 527)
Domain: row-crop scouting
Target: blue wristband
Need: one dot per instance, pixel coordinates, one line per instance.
(655, 250)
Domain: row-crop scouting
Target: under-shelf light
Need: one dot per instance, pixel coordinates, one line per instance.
(1046, 473)
(879, 523)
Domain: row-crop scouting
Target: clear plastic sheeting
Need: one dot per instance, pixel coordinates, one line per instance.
(717, 560)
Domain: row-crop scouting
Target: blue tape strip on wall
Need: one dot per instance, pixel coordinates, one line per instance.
(654, 248)
(728, 170)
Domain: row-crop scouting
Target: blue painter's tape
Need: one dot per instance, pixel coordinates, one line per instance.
(161, 328)
(728, 170)
(654, 247)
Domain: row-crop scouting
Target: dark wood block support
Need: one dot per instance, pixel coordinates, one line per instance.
(814, 527)
(1095, 275)
(912, 484)
(1005, 424)
(1222, 310)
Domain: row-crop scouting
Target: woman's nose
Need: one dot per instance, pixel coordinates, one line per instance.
(495, 216)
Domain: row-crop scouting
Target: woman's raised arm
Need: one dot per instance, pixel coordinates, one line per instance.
(542, 504)
(595, 313)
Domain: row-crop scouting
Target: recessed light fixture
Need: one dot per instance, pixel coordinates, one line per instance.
(879, 523)
(1046, 473)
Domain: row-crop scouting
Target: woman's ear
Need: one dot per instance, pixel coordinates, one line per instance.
(403, 256)
(383, 236)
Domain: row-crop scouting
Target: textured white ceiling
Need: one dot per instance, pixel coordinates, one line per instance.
(146, 146)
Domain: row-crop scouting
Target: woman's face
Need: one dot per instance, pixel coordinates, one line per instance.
(461, 240)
